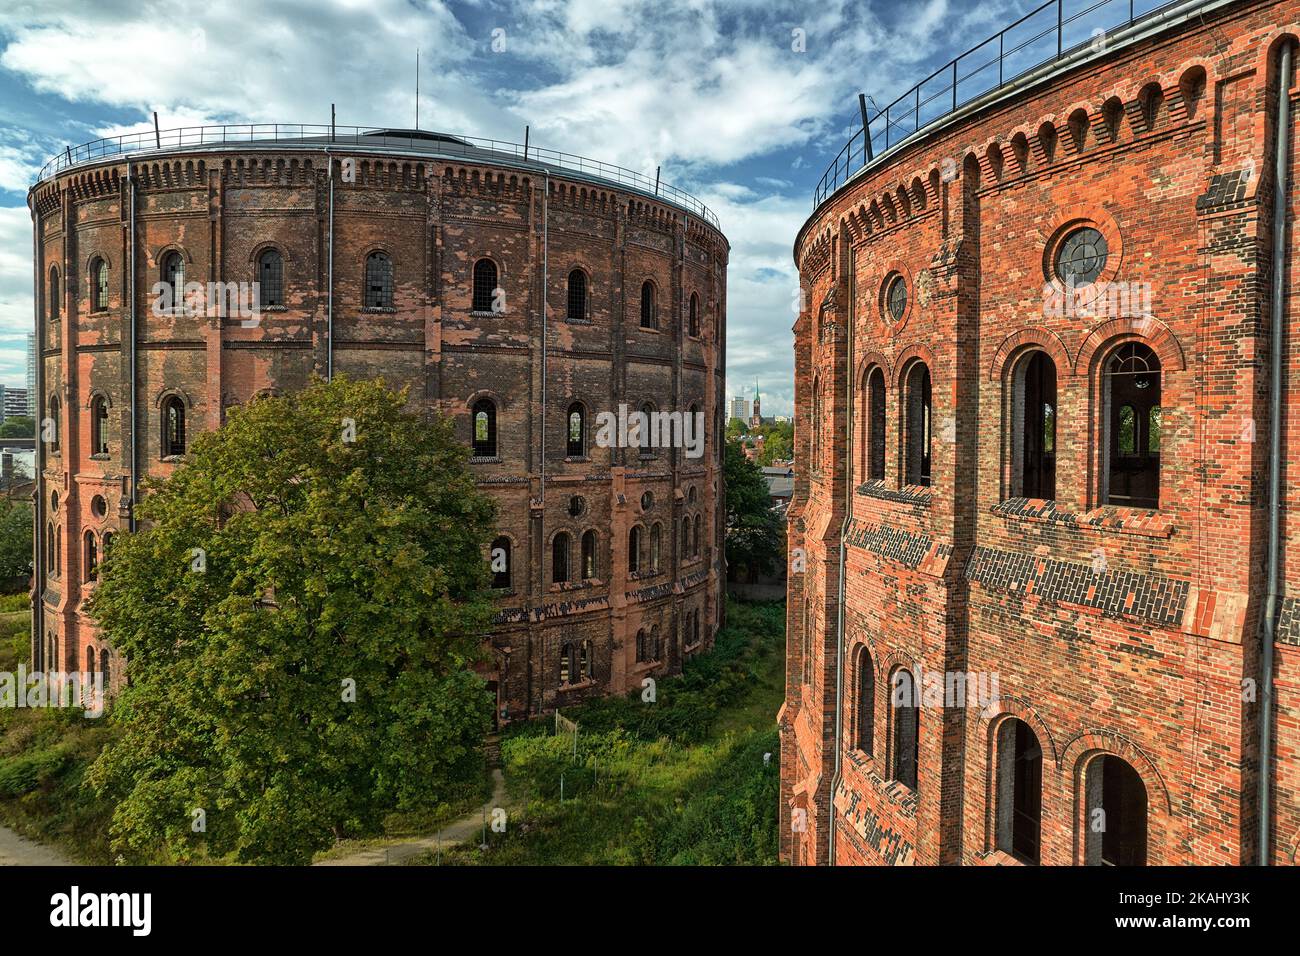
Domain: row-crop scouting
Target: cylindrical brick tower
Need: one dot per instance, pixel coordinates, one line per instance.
(522, 292)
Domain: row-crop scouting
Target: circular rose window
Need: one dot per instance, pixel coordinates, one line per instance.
(1081, 257)
(896, 298)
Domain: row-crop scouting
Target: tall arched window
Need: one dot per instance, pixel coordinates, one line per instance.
(656, 533)
(560, 558)
(577, 294)
(99, 425)
(634, 549)
(905, 711)
(693, 316)
(98, 285)
(173, 273)
(1131, 398)
(1034, 442)
(584, 661)
(104, 669)
(90, 660)
(484, 420)
(566, 664)
(270, 279)
(499, 559)
(918, 432)
(51, 565)
(52, 413)
(588, 555)
(379, 281)
(642, 646)
(56, 298)
(653, 643)
(173, 422)
(576, 431)
(90, 554)
(1018, 798)
(695, 538)
(1116, 822)
(876, 425)
(686, 536)
(648, 320)
(866, 702)
(485, 285)
(815, 428)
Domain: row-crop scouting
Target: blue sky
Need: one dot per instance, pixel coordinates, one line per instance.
(715, 92)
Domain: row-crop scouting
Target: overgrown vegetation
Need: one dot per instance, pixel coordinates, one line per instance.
(679, 781)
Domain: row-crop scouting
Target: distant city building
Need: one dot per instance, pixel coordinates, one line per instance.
(739, 409)
(13, 401)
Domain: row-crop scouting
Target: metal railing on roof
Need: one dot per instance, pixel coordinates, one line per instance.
(308, 136)
(1050, 32)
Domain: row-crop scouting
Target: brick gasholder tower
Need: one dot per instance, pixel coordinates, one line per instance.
(1030, 613)
(520, 291)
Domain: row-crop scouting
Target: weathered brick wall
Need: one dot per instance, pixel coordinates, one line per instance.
(1109, 629)
(434, 219)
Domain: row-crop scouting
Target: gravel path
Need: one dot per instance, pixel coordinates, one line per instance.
(16, 850)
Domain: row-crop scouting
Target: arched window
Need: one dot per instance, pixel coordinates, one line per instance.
(485, 285)
(588, 555)
(52, 413)
(695, 538)
(173, 273)
(499, 559)
(577, 294)
(866, 702)
(566, 664)
(584, 663)
(108, 544)
(1033, 442)
(634, 549)
(876, 425)
(270, 279)
(815, 428)
(686, 536)
(379, 281)
(99, 425)
(104, 670)
(90, 660)
(173, 422)
(576, 444)
(52, 567)
(642, 649)
(905, 711)
(918, 432)
(1018, 797)
(695, 627)
(693, 316)
(653, 648)
(647, 435)
(55, 303)
(1131, 398)
(560, 558)
(91, 555)
(656, 533)
(1116, 822)
(648, 320)
(54, 653)
(98, 285)
(484, 419)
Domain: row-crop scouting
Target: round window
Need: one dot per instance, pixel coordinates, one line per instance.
(98, 507)
(577, 506)
(647, 501)
(1081, 257)
(896, 298)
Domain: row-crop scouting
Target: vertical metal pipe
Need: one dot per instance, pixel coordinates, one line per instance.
(38, 406)
(1268, 622)
(135, 457)
(329, 281)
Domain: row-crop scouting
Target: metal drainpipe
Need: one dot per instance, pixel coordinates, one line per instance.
(844, 530)
(38, 405)
(135, 457)
(546, 222)
(1268, 623)
(329, 281)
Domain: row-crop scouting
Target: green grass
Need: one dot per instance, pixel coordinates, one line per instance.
(675, 782)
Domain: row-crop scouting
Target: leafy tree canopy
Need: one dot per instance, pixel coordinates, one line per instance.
(300, 613)
(15, 541)
(18, 426)
(753, 529)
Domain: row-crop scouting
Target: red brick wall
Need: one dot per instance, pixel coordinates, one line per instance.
(1109, 629)
(434, 219)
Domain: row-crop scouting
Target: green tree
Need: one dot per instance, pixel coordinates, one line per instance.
(300, 611)
(735, 428)
(18, 426)
(753, 530)
(778, 442)
(15, 542)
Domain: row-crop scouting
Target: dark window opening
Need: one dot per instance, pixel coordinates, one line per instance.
(1019, 797)
(919, 427)
(1038, 476)
(866, 701)
(576, 446)
(173, 442)
(1117, 814)
(1132, 398)
(560, 558)
(56, 304)
(270, 279)
(906, 707)
(648, 306)
(99, 288)
(173, 273)
(577, 294)
(485, 429)
(634, 550)
(485, 285)
(98, 426)
(693, 320)
(588, 555)
(876, 420)
(379, 281)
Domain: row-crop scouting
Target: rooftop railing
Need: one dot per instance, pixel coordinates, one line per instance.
(307, 136)
(1051, 32)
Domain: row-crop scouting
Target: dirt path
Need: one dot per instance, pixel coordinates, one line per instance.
(458, 831)
(16, 850)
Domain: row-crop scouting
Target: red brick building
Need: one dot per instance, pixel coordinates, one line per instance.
(508, 288)
(1029, 575)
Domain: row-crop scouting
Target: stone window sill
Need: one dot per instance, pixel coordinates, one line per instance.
(908, 494)
(575, 459)
(489, 314)
(560, 587)
(580, 685)
(101, 456)
(1108, 519)
(485, 459)
(379, 309)
(172, 459)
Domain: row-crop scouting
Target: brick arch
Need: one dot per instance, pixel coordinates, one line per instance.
(1149, 330)
(98, 393)
(488, 393)
(870, 360)
(1034, 337)
(1009, 705)
(888, 663)
(917, 350)
(1091, 743)
(167, 392)
(156, 259)
(90, 261)
(256, 253)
